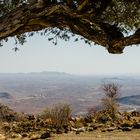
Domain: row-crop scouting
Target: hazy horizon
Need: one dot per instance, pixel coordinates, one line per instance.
(76, 74)
(38, 55)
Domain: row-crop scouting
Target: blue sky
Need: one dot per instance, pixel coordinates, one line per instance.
(76, 58)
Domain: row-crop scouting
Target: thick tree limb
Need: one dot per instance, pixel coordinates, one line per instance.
(126, 41)
(30, 18)
(82, 5)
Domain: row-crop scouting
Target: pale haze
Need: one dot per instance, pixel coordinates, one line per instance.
(38, 55)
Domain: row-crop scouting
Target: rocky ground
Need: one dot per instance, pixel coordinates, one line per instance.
(78, 129)
(98, 126)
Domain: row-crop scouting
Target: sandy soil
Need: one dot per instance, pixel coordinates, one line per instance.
(97, 135)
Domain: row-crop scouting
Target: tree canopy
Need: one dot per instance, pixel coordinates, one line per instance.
(113, 24)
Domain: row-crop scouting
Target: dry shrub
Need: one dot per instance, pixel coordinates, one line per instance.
(91, 112)
(58, 115)
(111, 95)
(7, 114)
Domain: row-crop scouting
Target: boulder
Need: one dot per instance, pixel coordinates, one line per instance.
(6, 126)
(126, 128)
(111, 129)
(34, 137)
(25, 135)
(72, 123)
(89, 129)
(98, 136)
(59, 131)
(82, 129)
(78, 130)
(45, 135)
(79, 119)
(2, 137)
(96, 126)
(136, 125)
(127, 124)
(16, 135)
(30, 117)
(103, 130)
(135, 113)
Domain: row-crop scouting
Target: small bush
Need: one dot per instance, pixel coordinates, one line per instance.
(109, 101)
(7, 114)
(91, 112)
(58, 115)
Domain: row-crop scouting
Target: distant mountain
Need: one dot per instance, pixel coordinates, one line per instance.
(130, 100)
(51, 73)
(5, 95)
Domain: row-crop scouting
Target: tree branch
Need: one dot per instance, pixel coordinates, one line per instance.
(119, 44)
(29, 18)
